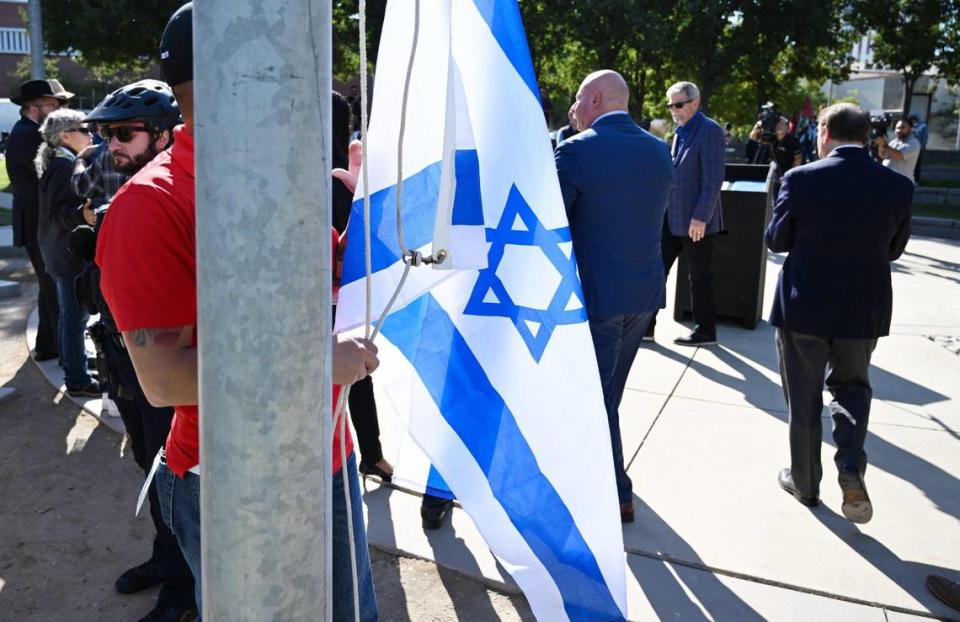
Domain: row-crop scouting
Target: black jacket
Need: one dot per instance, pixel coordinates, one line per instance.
(21, 149)
(842, 220)
(59, 214)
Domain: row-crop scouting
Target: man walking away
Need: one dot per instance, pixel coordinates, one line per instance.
(615, 179)
(842, 220)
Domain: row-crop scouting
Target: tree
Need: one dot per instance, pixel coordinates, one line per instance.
(346, 36)
(911, 37)
(107, 32)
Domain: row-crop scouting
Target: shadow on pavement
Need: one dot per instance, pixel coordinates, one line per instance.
(910, 576)
(666, 586)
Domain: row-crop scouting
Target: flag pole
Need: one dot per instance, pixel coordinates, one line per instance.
(262, 80)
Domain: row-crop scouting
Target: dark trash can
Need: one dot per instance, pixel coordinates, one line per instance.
(740, 255)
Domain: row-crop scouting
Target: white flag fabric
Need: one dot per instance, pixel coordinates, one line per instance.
(488, 361)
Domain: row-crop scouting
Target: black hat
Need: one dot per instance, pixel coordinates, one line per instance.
(176, 47)
(32, 89)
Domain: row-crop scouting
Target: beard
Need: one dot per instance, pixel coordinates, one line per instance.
(137, 162)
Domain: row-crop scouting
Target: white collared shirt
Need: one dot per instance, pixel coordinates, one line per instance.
(607, 114)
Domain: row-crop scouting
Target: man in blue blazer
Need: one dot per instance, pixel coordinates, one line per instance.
(842, 219)
(693, 213)
(615, 179)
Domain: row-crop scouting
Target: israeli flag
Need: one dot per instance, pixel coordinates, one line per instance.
(486, 359)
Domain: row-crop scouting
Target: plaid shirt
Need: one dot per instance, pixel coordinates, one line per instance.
(99, 181)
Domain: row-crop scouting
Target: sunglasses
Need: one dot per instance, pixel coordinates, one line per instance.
(79, 130)
(124, 133)
(679, 105)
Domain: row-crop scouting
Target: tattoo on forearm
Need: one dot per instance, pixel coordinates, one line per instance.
(162, 337)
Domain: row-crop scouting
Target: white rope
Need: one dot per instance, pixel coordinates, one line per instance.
(403, 127)
(410, 259)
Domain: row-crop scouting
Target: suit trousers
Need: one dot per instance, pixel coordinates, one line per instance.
(616, 340)
(804, 359)
(363, 413)
(700, 255)
(47, 309)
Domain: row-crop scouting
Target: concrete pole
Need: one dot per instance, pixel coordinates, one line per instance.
(262, 80)
(35, 17)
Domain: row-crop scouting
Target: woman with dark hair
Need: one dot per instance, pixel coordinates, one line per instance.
(363, 408)
(60, 211)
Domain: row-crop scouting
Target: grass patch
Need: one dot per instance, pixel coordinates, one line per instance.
(6, 216)
(940, 183)
(937, 211)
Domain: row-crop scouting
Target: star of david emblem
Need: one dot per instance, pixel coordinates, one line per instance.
(545, 292)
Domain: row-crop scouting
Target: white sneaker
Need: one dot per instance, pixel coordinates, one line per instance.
(109, 408)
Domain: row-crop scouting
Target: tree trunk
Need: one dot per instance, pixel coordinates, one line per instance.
(909, 81)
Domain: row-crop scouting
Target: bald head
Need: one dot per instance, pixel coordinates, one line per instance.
(601, 92)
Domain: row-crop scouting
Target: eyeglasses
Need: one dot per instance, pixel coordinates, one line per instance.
(123, 133)
(678, 105)
(80, 130)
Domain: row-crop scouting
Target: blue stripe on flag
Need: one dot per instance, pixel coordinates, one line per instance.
(420, 193)
(503, 17)
(467, 204)
(436, 486)
(477, 413)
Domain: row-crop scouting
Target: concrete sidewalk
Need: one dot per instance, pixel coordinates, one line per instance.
(705, 433)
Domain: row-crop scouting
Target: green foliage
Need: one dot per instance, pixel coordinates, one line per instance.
(107, 32)
(346, 36)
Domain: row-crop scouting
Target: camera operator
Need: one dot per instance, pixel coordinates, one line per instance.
(779, 142)
(901, 153)
(136, 122)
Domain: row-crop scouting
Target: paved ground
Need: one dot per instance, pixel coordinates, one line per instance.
(67, 492)
(705, 432)
(715, 539)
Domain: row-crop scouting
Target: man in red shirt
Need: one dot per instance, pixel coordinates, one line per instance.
(146, 253)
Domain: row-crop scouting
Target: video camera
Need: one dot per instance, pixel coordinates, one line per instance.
(879, 125)
(768, 119)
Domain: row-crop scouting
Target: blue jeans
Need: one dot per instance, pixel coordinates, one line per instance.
(616, 340)
(342, 572)
(180, 506)
(72, 324)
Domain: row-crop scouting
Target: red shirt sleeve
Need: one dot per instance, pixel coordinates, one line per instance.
(147, 258)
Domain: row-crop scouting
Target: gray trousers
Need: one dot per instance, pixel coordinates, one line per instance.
(804, 360)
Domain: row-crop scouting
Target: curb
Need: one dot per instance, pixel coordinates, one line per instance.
(947, 228)
(51, 371)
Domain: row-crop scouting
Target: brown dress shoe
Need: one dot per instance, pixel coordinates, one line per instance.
(626, 512)
(946, 590)
(856, 502)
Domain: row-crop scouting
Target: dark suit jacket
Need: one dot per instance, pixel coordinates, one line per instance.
(22, 145)
(615, 178)
(842, 220)
(700, 168)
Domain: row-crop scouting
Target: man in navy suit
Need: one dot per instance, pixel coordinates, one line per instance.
(842, 219)
(693, 213)
(615, 179)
